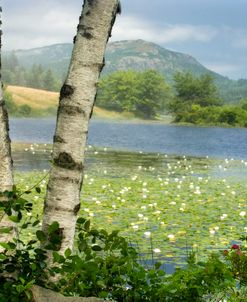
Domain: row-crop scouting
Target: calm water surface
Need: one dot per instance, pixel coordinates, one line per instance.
(194, 141)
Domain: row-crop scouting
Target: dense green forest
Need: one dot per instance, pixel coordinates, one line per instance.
(144, 94)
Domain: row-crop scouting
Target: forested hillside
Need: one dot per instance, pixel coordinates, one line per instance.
(46, 67)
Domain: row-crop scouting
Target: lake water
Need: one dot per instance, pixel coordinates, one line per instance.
(167, 139)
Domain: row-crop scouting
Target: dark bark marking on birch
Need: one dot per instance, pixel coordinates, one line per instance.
(91, 2)
(66, 91)
(81, 183)
(58, 139)
(65, 161)
(66, 179)
(71, 110)
(74, 39)
(85, 31)
(77, 209)
(66, 210)
(119, 8)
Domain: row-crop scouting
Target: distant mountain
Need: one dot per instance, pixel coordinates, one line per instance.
(138, 55)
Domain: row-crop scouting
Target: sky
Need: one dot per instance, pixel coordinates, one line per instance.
(212, 31)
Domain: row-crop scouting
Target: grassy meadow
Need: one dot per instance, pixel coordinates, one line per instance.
(165, 205)
(44, 103)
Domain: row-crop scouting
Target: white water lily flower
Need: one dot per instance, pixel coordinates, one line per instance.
(147, 234)
(223, 216)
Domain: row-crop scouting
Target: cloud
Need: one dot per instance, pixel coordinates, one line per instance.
(45, 24)
(134, 28)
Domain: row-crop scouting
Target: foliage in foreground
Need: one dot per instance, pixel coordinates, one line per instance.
(105, 266)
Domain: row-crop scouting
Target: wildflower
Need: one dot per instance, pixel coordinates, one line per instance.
(212, 232)
(235, 247)
(225, 252)
(171, 236)
(147, 234)
(156, 250)
(242, 213)
(135, 227)
(140, 215)
(223, 216)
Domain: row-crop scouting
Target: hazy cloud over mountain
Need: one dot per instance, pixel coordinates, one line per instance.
(215, 32)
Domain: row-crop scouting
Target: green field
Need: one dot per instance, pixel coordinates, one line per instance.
(170, 205)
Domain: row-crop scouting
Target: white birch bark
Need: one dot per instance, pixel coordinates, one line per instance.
(77, 96)
(6, 176)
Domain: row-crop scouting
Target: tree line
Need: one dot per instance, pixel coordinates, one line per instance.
(36, 76)
(189, 99)
(146, 94)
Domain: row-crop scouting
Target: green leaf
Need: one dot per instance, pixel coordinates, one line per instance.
(87, 225)
(67, 253)
(5, 230)
(53, 227)
(38, 190)
(14, 219)
(96, 248)
(81, 220)
(2, 257)
(8, 246)
(35, 223)
(41, 236)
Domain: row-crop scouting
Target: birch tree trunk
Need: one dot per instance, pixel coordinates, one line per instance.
(6, 176)
(62, 201)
